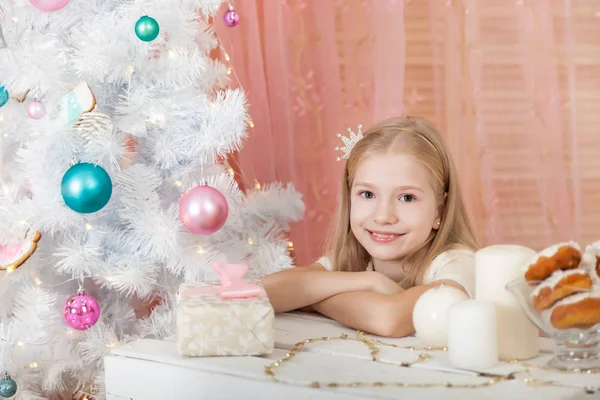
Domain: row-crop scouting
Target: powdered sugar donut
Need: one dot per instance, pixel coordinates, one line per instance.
(577, 311)
(591, 262)
(560, 285)
(561, 256)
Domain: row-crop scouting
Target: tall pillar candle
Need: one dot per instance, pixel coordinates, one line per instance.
(495, 267)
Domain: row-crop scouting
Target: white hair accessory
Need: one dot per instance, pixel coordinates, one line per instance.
(349, 142)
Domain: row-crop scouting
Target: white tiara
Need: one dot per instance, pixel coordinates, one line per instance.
(349, 142)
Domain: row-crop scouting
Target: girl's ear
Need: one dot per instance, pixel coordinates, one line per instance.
(440, 212)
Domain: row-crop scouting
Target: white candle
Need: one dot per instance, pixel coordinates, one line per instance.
(473, 335)
(495, 267)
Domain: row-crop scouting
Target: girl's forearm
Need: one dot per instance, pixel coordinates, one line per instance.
(303, 286)
(380, 314)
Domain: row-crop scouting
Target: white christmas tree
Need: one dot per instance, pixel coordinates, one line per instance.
(114, 123)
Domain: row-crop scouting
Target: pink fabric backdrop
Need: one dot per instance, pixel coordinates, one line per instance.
(512, 84)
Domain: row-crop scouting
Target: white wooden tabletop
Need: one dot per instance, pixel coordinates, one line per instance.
(132, 370)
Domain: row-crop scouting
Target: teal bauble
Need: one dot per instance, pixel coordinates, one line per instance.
(147, 29)
(3, 96)
(86, 188)
(8, 387)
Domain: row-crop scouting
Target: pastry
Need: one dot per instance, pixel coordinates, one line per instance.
(580, 310)
(562, 256)
(591, 262)
(560, 285)
(13, 255)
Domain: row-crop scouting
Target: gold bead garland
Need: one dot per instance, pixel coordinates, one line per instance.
(374, 350)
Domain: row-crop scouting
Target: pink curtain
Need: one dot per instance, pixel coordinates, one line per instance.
(513, 84)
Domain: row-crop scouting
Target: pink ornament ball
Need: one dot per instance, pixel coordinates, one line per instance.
(49, 5)
(231, 18)
(35, 109)
(203, 210)
(81, 311)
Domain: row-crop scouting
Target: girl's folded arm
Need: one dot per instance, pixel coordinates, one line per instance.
(303, 286)
(380, 314)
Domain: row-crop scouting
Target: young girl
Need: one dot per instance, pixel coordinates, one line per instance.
(401, 229)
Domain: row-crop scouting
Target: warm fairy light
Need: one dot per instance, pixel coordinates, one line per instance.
(199, 249)
(251, 124)
(15, 19)
(172, 54)
(111, 345)
(37, 281)
(228, 70)
(10, 269)
(157, 119)
(20, 343)
(290, 244)
(33, 365)
(231, 171)
(256, 184)
(227, 57)
(250, 241)
(88, 227)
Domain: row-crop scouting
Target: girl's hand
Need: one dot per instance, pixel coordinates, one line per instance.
(380, 283)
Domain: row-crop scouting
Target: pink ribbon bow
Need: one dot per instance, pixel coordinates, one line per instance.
(232, 285)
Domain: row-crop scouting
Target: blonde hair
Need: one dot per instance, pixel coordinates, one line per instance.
(422, 140)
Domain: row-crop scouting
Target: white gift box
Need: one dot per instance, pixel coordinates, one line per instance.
(153, 369)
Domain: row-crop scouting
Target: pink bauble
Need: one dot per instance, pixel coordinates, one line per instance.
(49, 5)
(81, 311)
(231, 18)
(35, 109)
(203, 210)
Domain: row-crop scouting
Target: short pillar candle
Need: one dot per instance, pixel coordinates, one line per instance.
(473, 335)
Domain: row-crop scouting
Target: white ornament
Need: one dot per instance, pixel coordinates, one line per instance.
(430, 315)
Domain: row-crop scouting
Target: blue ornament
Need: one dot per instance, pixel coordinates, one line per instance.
(8, 387)
(147, 29)
(3, 96)
(86, 188)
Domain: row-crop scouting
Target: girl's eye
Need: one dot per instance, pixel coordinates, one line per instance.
(407, 198)
(366, 194)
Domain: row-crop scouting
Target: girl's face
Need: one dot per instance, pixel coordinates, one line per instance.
(393, 206)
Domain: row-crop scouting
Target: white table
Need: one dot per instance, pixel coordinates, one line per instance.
(152, 369)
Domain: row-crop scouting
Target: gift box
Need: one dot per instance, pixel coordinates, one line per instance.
(232, 317)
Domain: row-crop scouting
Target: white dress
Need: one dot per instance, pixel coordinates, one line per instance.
(456, 265)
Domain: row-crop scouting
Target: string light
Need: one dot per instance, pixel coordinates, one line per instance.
(10, 269)
(250, 241)
(20, 343)
(199, 248)
(15, 19)
(157, 119)
(256, 184)
(88, 227)
(33, 365)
